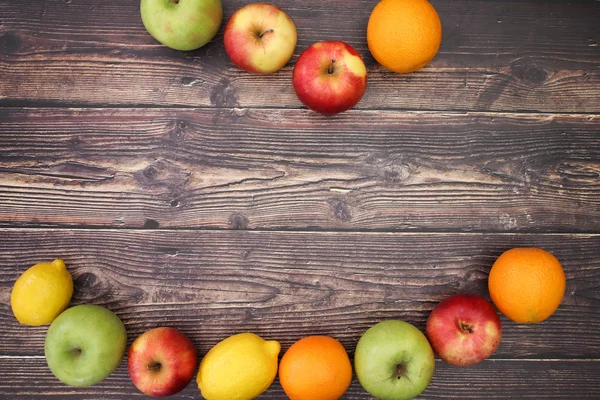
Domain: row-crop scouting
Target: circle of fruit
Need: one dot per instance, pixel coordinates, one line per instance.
(527, 284)
(315, 368)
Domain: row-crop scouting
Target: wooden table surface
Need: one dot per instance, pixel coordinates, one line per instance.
(182, 191)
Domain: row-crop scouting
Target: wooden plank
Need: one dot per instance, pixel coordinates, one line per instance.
(286, 285)
(292, 169)
(495, 55)
(499, 379)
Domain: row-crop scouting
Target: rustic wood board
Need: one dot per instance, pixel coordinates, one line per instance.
(495, 55)
(183, 191)
(291, 169)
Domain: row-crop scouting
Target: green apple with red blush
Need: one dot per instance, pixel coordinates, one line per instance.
(161, 362)
(330, 77)
(182, 24)
(464, 329)
(260, 38)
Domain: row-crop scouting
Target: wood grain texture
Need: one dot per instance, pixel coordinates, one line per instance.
(495, 55)
(286, 285)
(182, 191)
(291, 169)
(488, 380)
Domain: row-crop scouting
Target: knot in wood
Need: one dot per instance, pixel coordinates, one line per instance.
(85, 280)
(177, 130)
(532, 74)
(151, 224)
(340, 209)
(10, 42)
(238, 221)
(150, 172)
(223, 95)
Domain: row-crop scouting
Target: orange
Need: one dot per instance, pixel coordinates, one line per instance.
(404, 35)
(527, 284)
(315, 368)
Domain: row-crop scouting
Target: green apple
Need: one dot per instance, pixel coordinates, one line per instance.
(85, 344)
(182, 24)
(394, 361)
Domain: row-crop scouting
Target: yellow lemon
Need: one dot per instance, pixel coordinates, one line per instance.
(41, 293)
(240, 367)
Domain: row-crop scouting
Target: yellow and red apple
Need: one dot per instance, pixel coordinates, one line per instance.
(260, 38)
(464, 329)
(330, 77)
(161, 362)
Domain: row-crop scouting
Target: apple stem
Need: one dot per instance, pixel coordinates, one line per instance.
(76, 351)
(465, 327)
(400, 370)
(174, 1)
(154, 366)
(330, 69)
(267, 31)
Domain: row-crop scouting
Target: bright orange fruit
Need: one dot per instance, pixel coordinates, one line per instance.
(315, 368)
(404, 35)
(527, 284)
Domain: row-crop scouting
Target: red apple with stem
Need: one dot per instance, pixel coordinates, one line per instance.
(330, 77)
(161, 362)
(464, 329)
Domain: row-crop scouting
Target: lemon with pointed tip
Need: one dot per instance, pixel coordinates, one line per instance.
(41, 293)
(240, 367)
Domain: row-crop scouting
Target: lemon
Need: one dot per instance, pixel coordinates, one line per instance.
(240, 367)
(41, 293)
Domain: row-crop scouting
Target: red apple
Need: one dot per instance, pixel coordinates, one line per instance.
(260, 38)
(161, 362)
(330, 77)
(464, 329)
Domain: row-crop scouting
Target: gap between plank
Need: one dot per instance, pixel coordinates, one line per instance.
(300, 231)
(24, 105)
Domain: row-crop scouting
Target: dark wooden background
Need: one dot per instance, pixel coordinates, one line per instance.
(184, 192)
